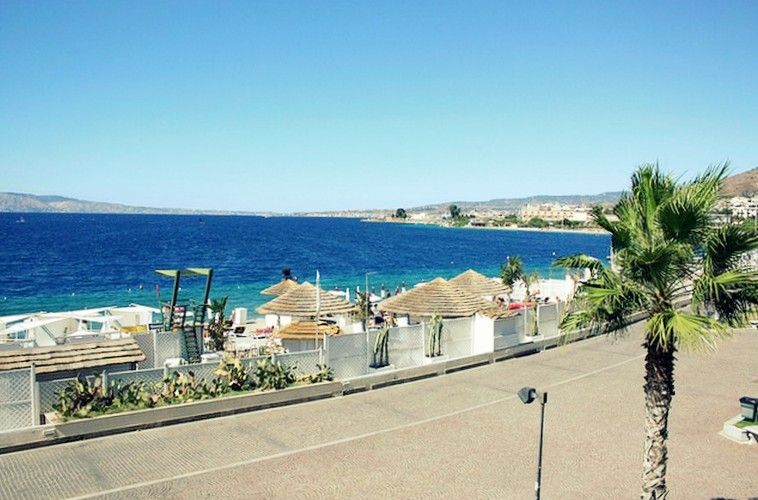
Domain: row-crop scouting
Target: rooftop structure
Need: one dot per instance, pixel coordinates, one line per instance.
(478, 284)
(438, 297)
(306, 301)
(70, 357)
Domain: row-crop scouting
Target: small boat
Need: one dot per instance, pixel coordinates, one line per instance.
(20, 220)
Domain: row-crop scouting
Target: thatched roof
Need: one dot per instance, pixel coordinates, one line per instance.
(478, 284)
(301, 302)
(436, 297)
(307, 330)
(280, 288)
(73, 356)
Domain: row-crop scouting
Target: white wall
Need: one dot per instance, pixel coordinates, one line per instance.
(483, 339)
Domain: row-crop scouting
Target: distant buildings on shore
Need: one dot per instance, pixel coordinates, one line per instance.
(737, 207)
(556, 212)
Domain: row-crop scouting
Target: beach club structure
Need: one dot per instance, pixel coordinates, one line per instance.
(434, 323)
(305, 302)
(480, 285)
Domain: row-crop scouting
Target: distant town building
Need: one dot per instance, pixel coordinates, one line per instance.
(738, 207)
(555, 212)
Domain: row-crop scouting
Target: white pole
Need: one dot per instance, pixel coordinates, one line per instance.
(318, 302)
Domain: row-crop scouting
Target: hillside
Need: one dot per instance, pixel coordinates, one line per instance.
(24, 202)
(744, 184)
(513, 204)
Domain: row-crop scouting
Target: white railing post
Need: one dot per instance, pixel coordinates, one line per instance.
(34, 395)
(155, 348)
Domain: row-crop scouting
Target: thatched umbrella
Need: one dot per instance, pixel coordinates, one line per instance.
(306, 330)
(301, 302)
(478, 284)
(280, 288)
(438, 297)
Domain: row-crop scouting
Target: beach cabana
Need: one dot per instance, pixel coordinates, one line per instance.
(438, 297)
(303, 303)
(284, 286)
(479, 285)
(304, 335)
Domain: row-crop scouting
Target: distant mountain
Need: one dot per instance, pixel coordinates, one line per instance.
(744, 184)
(514, 204)
(24, 202)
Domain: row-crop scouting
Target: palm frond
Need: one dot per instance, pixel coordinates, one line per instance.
(679, 329)
(725, 246)
(579, 261)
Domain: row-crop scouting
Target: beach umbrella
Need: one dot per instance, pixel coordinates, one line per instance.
(306, 301)
(438, 297)
(280, 288)
(478, 284)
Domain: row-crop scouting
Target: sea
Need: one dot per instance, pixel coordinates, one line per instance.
(58, 262)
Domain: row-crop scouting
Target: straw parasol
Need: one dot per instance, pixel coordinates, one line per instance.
(280, 288)
(478, 284)
(307, 330)
(436, 297)
(301, 302)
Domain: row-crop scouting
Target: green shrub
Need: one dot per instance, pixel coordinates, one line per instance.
(233, 374)
(273, 375)
(83, 397)
(324, 374)
(181, 388)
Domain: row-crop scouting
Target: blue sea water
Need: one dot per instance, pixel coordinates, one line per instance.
(57, 262)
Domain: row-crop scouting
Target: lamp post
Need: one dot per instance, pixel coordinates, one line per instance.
(528, 395)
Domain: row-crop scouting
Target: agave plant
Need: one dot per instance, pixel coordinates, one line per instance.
(434, 348)
(380, 354)
(666, 250)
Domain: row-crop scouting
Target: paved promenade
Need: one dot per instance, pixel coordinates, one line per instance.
(461, 435)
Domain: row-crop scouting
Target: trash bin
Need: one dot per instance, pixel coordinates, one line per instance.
(749, 408)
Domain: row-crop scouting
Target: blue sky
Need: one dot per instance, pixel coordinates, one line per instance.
(310, 105)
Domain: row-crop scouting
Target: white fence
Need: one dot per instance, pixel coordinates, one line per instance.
(549, 317)
(456, 337)
(16, 399)
(406, 346)
(348, 355)
(508, 332)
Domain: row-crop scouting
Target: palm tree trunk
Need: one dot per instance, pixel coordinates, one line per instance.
(659, 390)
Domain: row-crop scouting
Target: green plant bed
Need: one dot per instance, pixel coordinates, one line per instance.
(746, 423)
(83, 398)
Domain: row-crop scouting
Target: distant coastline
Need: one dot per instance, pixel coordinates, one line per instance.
(585, 230)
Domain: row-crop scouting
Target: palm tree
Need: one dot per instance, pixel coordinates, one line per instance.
(216, 327)
(511, 271)
(666, 250)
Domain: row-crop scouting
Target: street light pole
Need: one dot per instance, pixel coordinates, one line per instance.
(528, 395)
(538, 484)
